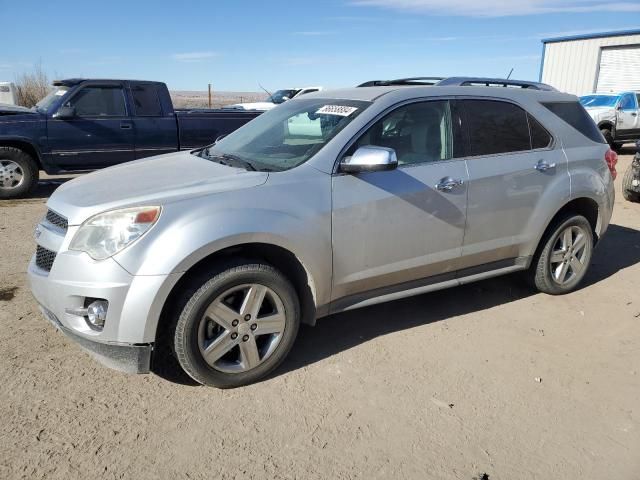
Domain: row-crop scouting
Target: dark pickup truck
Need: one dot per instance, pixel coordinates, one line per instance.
(90, 124)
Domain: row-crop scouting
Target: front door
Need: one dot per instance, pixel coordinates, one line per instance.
(628, 125)
(99, 134)
(511, 166)
(395, 228)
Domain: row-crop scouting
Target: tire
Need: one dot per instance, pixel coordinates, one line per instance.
(627, 188)
(608, 136)
(18, 173)
(238, 355)
(546, 272)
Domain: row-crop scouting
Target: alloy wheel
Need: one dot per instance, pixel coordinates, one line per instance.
(241, 328)
(569, 255)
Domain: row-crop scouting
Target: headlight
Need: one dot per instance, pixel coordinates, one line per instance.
(105, 234)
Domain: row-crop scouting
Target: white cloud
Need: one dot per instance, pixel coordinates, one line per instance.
(193, 56)
(501, 8)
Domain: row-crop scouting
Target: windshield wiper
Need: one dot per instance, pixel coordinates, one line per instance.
(229, 160)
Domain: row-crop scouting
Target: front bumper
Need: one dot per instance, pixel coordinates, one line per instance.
(125, 358)
(135, 302)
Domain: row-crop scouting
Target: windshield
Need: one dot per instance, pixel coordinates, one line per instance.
(287, 136)
(282, 96)
(44, 104)
(599, 100)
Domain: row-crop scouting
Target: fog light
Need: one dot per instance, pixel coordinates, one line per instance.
(97, 313)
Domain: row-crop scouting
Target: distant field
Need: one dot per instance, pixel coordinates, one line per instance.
(196, 98)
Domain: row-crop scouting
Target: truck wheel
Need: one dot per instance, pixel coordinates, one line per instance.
(628, 190)
(18, 173)
(608, 136)
(564, 259)
(237, 326)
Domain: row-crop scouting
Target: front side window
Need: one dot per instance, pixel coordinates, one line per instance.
(418, 132)
(627, 102)
(496, 127)
(146, 101)
(287, 136)
(99, 102)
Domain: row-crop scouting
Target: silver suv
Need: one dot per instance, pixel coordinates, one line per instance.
(327, 203)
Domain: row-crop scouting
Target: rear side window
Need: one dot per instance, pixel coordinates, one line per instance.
(540, 138)
(496, 127)
(146, 101)
(575, 115)
(628, 102)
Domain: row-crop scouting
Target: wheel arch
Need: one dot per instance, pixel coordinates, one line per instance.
(24, 145)
(278, 257)
(585, 206)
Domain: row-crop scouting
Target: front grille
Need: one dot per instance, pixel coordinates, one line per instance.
(45, 258)
(58, 220)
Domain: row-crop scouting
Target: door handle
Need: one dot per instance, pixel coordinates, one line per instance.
(125, 126)
(447, 184)
(543, 166)
(634, 114)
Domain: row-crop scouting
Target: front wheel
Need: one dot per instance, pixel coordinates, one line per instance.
(238, 326)
(565, 256)
(18, 173)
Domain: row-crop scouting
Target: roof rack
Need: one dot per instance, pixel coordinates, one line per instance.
(494, 82)
(415, 81)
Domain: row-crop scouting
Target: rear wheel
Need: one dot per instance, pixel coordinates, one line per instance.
(628, 191)
(18, 173)
(565, 256)
(238, 326)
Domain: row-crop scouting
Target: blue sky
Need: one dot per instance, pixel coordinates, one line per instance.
(237, 44)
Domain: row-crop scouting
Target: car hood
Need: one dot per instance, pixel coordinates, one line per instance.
(6, 109)
(598, 113)
(151, 181)
(253, 106)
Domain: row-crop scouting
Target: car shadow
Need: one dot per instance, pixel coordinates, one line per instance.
(44, 189)
(619, 249)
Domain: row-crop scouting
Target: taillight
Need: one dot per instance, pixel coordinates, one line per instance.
(611, 158)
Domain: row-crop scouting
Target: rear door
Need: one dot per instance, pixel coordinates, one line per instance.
(156, 131)
(628, 125)
(395, 227)
(511, 165)
(100, 133)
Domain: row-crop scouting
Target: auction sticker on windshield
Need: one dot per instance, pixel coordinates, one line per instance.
(341, 110)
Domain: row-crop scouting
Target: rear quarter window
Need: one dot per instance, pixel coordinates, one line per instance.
(575, 115)
(146, 101)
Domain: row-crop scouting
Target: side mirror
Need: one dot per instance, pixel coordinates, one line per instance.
(65, 112)
(370, 159)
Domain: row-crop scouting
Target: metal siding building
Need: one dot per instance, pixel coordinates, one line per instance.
(584, 64)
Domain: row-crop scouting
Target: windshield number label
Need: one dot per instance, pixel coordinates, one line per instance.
(340, 110)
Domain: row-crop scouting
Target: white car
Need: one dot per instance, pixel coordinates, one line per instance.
(616, 114)
(277, 98)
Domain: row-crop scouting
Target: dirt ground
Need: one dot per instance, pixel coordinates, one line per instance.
(440, 386)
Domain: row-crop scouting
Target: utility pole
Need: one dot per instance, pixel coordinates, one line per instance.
(209, 95)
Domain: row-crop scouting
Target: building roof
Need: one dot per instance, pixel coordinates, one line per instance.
(587, 36)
